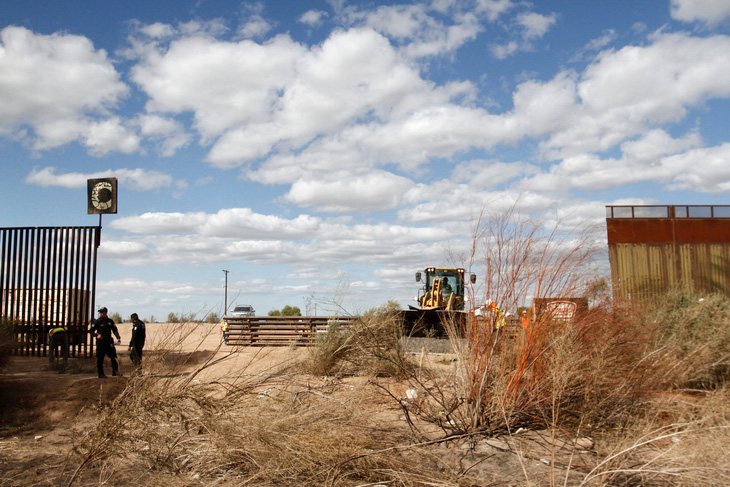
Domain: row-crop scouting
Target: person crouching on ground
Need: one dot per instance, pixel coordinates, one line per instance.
(58, 344)
(102, 329)
(136, 344)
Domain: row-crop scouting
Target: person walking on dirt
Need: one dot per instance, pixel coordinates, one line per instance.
(58, 344)
(224, 331)
(102, 329)
(136, 344)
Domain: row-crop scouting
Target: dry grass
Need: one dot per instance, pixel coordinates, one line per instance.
(371, 346)
(277, 428)
(409, 419)
(680, 440)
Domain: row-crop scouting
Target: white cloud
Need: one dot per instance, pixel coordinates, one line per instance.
(535, 25)
(494, 8)
(653, 157)
(623, 92)
(243, 225)
(123, 250)
(503, 51)
(224, 84)
(714, 176)
(133, 179)
(168, 133)
(313, 18)
(160, 223)
(343, 192)
(530, 26)
(488, 175)
(57, 85)
(168, 250)
(110, 135)
(157, 30)
(600, 42)
(332, 119)
(709, 11)
(256, 26)
(354, 77)
(240, 234)
(655, 144)
(419, 31)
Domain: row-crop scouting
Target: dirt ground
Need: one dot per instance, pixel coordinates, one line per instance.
(44, 412)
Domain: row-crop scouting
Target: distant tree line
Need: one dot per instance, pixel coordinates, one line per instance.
(286, 311)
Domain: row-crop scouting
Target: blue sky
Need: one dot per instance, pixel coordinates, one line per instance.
(324, 151)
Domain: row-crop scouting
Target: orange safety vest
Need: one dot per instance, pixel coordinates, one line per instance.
(524, 321)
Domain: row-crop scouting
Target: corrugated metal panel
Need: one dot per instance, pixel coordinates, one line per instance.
(654, 248)
(644, 270)
(719, 267)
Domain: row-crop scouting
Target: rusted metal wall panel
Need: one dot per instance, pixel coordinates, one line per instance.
(641, 270)
(655, 248)
(718, 267)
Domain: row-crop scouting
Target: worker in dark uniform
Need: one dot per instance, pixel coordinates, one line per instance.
(102, 329)
(57, 344)
(136, 344)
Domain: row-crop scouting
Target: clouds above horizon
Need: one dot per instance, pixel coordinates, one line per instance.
(135, 179)
(366, 133)
(240, 234)
(330, 106)
(282, 104)
(711, 12)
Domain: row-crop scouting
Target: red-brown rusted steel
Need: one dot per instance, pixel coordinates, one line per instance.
(655, 248)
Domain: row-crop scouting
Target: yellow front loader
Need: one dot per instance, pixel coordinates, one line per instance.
(442, 297)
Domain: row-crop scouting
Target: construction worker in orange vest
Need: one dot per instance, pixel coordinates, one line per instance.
(499, 319)
(524, 320)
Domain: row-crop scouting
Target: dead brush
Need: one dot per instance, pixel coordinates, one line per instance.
(689, 449)
(371, 346)
(586, 372)
(271, 428)
(693, 334)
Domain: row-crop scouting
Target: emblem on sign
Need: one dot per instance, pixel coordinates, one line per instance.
(102, 195)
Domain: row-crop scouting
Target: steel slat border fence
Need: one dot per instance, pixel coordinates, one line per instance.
(48, 279)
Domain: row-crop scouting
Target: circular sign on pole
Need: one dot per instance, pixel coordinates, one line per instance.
(102, 196)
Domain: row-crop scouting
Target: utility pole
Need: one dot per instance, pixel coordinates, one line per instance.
(225, 298)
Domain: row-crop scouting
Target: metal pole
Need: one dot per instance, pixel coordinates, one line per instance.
(225, 298)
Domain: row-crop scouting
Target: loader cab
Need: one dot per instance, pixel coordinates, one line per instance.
(444, 281)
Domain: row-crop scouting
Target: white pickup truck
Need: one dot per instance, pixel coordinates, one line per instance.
(242, 310)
